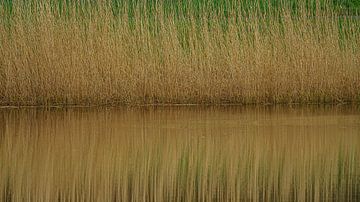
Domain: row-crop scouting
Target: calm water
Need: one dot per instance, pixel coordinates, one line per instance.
(180, 154)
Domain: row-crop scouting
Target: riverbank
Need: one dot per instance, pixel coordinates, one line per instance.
(95, 55)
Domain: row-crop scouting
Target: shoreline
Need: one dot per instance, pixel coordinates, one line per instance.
(184, 105)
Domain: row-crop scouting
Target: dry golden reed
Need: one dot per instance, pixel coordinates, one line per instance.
(135, 58)
(180, 154)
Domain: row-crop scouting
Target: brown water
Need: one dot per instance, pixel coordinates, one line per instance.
(180, 154)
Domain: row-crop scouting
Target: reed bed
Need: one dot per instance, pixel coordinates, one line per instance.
(180, 154)
(178, 52)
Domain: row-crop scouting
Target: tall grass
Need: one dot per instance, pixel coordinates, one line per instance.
(184, 154)
(156, 52)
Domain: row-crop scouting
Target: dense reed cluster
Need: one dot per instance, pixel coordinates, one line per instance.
(180, 154)
(55, 52)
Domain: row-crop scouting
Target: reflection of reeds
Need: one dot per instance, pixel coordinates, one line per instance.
(179, 155)
(94, 54)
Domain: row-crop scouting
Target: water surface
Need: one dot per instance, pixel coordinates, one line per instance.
(180, 154)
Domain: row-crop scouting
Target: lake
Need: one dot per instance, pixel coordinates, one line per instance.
(181, 153)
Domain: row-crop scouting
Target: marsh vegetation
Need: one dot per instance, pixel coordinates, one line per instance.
(169, 52)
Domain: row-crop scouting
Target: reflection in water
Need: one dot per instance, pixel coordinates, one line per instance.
(180, 153)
